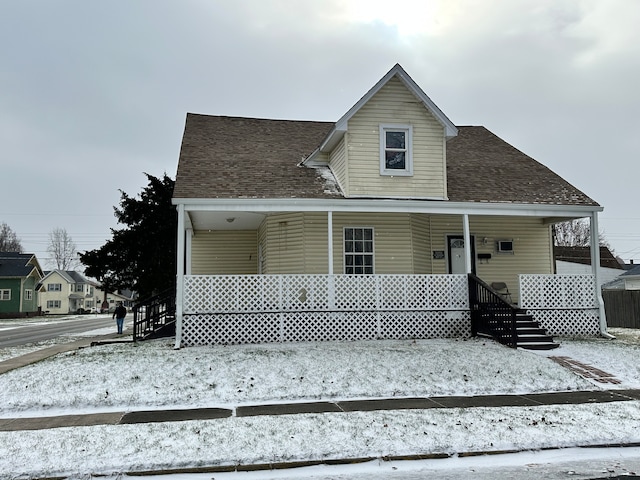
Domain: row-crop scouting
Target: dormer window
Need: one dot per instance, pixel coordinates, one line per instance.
(395, 150)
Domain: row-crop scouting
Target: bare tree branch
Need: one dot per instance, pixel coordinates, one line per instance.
(63, 250)
(576, 233)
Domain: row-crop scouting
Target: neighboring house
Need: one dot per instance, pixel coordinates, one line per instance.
(20, 274)
(366, 227)
(629, 280)
(577, 261)
(68, 291)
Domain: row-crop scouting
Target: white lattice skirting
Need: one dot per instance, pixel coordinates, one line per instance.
(563, 304)
(570, 322)
(297, 308)
(228, 329)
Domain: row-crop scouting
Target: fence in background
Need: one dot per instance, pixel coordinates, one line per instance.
(622, 308)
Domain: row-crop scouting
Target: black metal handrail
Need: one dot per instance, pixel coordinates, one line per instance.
(153, 314)
(491, 314)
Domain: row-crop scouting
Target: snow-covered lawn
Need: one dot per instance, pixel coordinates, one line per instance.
(153, 375)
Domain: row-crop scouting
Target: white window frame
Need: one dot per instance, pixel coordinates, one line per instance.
(54, 303)
(407, 171)
(51, 287)
(5, 294)
(28, 294)
(345, 254)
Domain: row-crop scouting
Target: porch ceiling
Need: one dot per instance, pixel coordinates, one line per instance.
(203, 220)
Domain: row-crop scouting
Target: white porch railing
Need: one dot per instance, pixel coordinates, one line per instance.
(288, 308)
(563, 304)
(235, 309)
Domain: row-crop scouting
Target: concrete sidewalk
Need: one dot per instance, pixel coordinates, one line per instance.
(420, 403)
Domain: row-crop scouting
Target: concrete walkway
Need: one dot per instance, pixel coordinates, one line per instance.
(153, 416)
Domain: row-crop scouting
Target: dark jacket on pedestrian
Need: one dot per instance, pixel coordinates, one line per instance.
(120, 312)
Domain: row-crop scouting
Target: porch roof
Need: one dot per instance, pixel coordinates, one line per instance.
(247, 158)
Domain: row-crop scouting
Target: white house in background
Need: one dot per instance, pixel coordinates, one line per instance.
(629, 280)
(577, 261)
(67, 291)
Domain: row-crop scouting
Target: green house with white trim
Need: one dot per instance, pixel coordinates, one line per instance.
(20, 274)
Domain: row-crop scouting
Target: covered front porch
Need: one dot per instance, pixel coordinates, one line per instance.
(263, 273)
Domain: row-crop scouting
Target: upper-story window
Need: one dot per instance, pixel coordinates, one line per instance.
(54, 287)
(78, 287)
(396, 156)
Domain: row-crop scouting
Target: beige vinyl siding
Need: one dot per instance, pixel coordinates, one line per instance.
(283, 246)
(224, 252)
(531, 241)
(338, 163)
(394, 104)
(316, 248)
(391, 241)
(421, 244)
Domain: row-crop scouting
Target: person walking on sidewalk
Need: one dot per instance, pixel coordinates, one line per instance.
(119, 313)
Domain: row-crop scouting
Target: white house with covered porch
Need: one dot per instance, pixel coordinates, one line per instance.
(367, 227)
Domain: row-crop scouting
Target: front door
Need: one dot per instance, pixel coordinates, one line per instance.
(455, 250)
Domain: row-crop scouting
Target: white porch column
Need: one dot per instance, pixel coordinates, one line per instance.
(595, 268)
(180, 274)
(188, 251)
(330, 281)
(467, 243)
(330, 241)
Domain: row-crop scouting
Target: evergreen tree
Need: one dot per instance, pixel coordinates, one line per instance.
(142, 256)
(9, 241)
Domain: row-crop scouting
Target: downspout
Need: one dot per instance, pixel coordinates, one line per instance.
(595, 268)
(180, 274)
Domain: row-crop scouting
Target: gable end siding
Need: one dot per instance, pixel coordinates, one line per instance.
(394, 104)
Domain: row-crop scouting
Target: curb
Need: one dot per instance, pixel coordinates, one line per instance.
(346, 461)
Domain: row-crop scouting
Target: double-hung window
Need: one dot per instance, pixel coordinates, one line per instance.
(358, 251)
(54, 287)
(5, 294)
(396, 154)
(54, 303)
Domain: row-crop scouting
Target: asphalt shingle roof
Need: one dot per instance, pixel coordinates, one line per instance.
(14, 264)
(235, 157)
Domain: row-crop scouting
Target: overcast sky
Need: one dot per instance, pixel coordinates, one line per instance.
(93, 94)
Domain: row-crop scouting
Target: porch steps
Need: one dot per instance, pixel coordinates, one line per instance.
(530, 335)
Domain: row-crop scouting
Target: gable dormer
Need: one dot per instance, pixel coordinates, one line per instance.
(392, 143)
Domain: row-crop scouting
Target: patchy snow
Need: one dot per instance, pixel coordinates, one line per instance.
(331, 186)
(149, 375)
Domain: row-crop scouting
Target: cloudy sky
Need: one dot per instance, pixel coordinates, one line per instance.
(94, 94)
